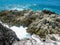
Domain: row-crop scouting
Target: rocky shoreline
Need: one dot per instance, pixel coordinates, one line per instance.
(43, 23)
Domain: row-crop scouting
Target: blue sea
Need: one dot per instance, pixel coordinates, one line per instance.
(52, 5)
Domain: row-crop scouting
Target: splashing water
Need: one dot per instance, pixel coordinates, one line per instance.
(20, 31)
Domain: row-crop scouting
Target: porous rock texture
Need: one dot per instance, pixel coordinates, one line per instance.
(49, 24)
(45, 24)
(38, 22)
(16, 18)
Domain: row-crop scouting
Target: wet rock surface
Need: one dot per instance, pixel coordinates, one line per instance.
(36, 40)
(45, 24)
(7, 36)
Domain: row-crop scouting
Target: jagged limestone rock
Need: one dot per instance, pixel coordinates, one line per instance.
(14, 17)
(38, 22)
(44, 26)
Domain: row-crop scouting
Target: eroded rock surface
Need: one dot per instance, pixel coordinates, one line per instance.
(16, 18)
(38, 22)
(44, 23)
(47, 25)
(36, 40)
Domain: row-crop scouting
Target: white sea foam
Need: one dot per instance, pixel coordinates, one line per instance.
(15, 8)
(20, 31)
(35, 4)
(18, 7)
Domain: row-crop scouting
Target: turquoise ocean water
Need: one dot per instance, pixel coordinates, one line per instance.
(53, 5)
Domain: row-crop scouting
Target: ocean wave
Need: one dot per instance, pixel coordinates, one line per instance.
(14, 7)
(45, 7)
(33, 7)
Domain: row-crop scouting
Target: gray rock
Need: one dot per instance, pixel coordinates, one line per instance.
(51, 39)
(7, 36)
